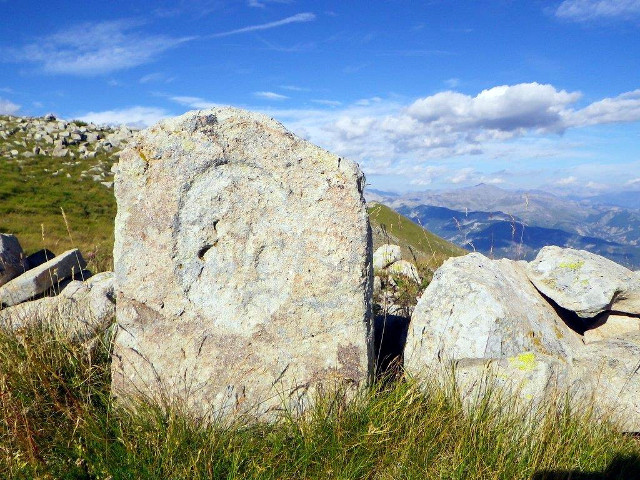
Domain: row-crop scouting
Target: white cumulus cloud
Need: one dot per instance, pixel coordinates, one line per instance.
(8, 108)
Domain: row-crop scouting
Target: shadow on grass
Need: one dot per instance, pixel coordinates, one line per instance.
(620, 468)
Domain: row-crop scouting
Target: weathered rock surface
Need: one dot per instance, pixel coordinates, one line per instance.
(481, 308)
(609, 325)
(385, 255)
(11, 258)
(81, 309)
(241, 265)
(37, 280)
(607, 373)
(585, 283)
(529, 377)
(406, 269)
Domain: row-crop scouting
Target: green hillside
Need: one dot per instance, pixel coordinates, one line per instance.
(36, 188)
(418, 245)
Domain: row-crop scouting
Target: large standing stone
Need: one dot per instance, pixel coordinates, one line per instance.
(481, 308)
(33, 282)
(242, 261)
(584, 282)
(11, 258)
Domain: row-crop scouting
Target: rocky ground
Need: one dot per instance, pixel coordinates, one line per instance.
(73, 142)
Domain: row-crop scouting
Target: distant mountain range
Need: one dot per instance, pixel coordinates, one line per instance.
(516, 224)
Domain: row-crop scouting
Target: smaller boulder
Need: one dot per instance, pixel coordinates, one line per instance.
(606, 374)
(12, 262)
(81, 309)
(386, 255)
(406, 269)
(585, 283)
(481, 308)
(40, 279)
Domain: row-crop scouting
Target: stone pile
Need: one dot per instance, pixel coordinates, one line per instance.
(55, 290)
(27, 137)
(567, 321)
(389, 268)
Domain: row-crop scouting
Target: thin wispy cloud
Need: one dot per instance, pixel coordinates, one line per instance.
(270, 95)
(298, 18)
(156, 77)
(94, 48)
(133, 116)
(414, 53)
(328, 103)
(295, 88)
(264, 3)
(91, 49)
(8, 108)
(194, 102)
(588, 10)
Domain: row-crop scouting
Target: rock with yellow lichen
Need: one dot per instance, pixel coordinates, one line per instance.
(585, 283)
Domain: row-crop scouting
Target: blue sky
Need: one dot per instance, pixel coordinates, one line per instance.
(431, 94)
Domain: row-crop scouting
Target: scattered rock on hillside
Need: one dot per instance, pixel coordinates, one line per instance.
(385, 255)
(81, 309)
(406, 269)
(37, 280)
(585, 283)
(65, 142)
(242, 265)
(12, 262)
(481, 308)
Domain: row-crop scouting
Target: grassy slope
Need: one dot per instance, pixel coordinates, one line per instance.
(31, 199)
(418, 244)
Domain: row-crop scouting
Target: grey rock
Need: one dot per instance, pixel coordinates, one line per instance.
(608, 325)
(80, 311)
(528, 377)
(241, 261)
(385, 255)
(585, 283)
(12, 260)
(38, 280)
(481, 308)
(59, 152)
(606, 374)
(406, 269)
